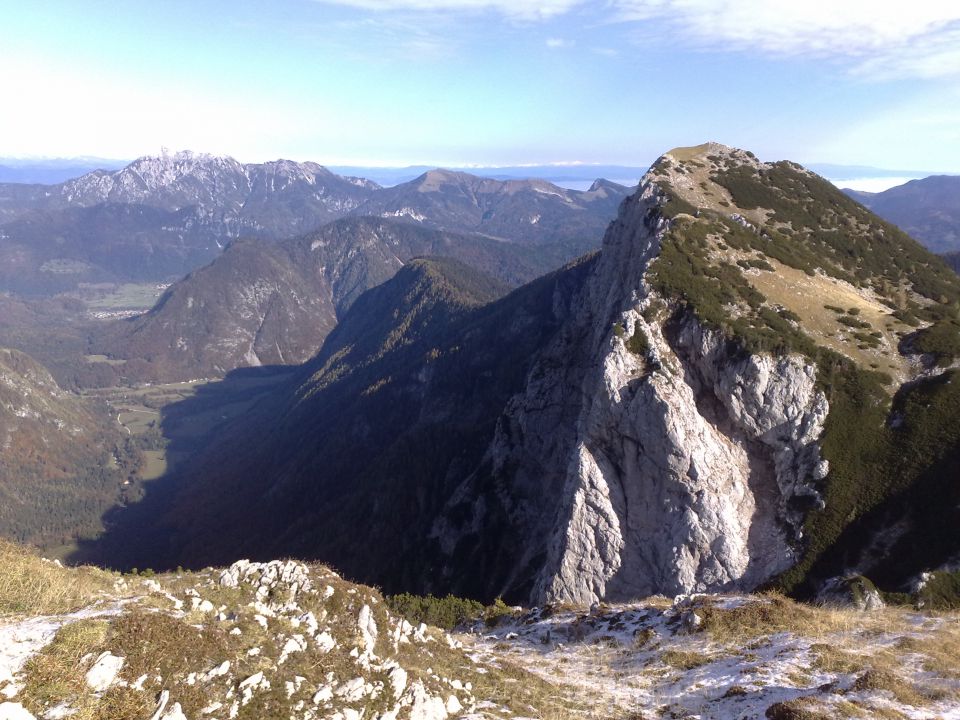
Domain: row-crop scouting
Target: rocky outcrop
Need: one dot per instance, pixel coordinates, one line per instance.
(680, 465)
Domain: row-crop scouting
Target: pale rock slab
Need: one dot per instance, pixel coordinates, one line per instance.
(104, 672)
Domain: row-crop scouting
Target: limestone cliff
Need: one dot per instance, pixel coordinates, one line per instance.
(670, 470)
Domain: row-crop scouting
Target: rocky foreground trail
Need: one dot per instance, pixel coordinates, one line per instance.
(285, 639)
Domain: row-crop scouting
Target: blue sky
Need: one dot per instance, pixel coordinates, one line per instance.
(486, 82)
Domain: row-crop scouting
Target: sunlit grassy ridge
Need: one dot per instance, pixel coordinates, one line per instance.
(743, 236)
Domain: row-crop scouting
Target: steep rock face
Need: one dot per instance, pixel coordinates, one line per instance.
(666, 472)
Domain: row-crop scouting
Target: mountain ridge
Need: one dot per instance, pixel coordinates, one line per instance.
(926, 208)
(161, 217)
(691, 409)
(263, 303)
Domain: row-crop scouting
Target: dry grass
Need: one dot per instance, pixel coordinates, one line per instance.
(507, 684)
(685, 154)
(880, 712)
(157, 644)
(29, 584)
(773, 613)
(885, 680)
(806, 296)
(834, 660)
(56, 674)
(683, 660)
(806, 708)
(122, 702)
(939, 650)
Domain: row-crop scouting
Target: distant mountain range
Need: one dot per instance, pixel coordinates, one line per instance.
(159, 218)
(565, 175)
(928, 209)
(574, 174)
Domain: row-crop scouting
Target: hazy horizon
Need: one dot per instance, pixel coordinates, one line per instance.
(484, 82)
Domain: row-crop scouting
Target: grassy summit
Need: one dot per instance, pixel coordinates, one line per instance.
(781, 261)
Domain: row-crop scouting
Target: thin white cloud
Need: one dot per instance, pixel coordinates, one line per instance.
(559, 43)
(935, 56)
(876, 38)
(516, 9)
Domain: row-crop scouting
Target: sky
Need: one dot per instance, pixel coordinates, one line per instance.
(483, 82)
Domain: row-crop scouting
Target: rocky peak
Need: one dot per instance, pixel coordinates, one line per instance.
(604, 187)
(671, 460)
(169, 181)
(291, 171)
(434, 180)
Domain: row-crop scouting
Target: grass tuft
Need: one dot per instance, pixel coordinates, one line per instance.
(30, 584)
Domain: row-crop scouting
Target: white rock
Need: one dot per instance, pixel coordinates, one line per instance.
(423, 705)
(309, 621)
(295, 644)
(325, 641)
(14, 711)
(161, 705)
(221, 669)
(368, 628)
(453, 705)
(253, 681)
(59, 712)
(104, 672)
(352, 690)
(174, 713)
(420, 634)
(322, 695)
(398, 681)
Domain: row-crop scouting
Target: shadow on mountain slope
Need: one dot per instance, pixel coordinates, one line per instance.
(136, 534)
